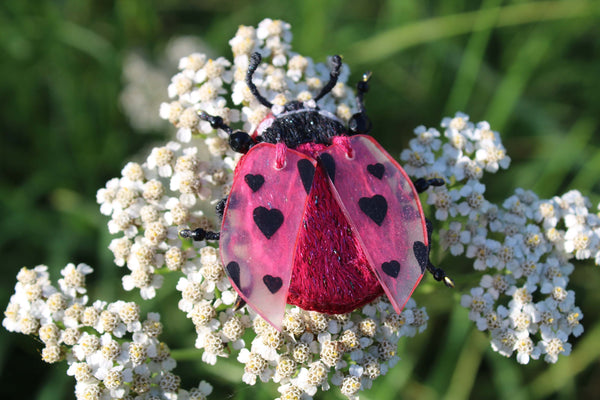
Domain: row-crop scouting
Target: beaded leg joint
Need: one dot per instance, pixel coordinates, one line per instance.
(199, 234)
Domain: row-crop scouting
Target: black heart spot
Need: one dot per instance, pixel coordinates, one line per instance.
(268, 221)
(254, 181)
(375, 207)
(307, 173)
(377, 170)
(272, 283)
(421, 254)
(391, 268)
(328, 163)
(233, 270)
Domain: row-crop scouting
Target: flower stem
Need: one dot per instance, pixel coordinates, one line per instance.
(394, 40)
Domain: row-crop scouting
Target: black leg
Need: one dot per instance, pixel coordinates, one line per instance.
(239, 141)
(360, 123)
(422, 184)
(199, 234)
(216, 122)
(220, 207)
(438, 273)
(429, 226)
(362, 87)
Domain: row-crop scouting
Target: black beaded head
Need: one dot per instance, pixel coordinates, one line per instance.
(302, 122)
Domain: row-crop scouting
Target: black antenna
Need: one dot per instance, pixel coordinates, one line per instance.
(254, 61)
(333, 76)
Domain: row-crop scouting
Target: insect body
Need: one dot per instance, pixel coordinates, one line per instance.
(319, 215)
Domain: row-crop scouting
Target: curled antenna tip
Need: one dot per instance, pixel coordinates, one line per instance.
(333, 76)
(337, 65)
(256, 57)
(255, 60)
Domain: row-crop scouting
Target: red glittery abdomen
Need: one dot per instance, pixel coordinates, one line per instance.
(331, 273)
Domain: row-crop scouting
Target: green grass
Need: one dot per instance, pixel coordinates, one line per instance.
(529, 68)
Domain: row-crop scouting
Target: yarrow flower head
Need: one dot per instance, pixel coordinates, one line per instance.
(178, 186)
(121, 351)
(521, 249)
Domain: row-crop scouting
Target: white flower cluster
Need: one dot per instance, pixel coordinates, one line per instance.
(356, 347)
(144, 85)
(178, 186)
(523, 247)
(316, 350)
(111, 352)
(202, 84)
(145, 82)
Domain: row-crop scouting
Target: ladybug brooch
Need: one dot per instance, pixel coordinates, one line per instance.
(319, 215)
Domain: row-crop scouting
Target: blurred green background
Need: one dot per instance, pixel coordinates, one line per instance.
(530, 68)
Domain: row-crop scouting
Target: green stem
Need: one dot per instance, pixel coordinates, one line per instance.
(558, 375)
(186, 354)
(467, 365)
(394, 40)
(472, 59)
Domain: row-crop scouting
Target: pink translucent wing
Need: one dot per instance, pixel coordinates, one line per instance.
(383, 207)
(260, 227)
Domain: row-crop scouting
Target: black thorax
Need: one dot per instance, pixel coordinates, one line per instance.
(303, 126)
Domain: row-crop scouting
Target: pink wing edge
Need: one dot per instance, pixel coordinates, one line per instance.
(278, 325)
(397, 307)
